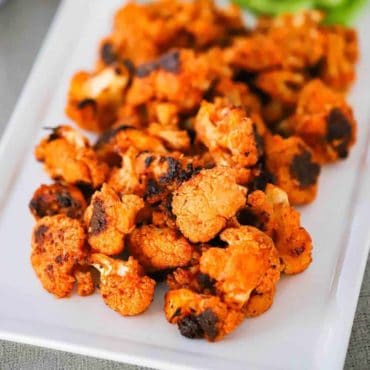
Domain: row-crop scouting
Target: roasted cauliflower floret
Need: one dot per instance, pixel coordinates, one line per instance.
(203, 204)
(294, 167)
(254, 53)
(324, 121)
(227, 132)
(54, 199)
(94, 98)
(109, 219)
(250, 262)
(159, 248)
(115, 141)
(341, 55)
(200, 315)
(259, 302)
(281, 85)
(58, 246)
(123, 285)
(292, 241)
(298, 36)
(143, 31)
(180, 77)
(67, 156)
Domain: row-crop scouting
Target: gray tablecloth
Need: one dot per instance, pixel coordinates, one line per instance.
(23, 24)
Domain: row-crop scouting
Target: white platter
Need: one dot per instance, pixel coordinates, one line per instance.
(307, 328)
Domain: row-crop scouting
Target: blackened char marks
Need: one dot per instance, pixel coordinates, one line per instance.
(304, 169)
(206, 282)
(86, 189)
(65, 199)
(246, 217)
(170, 62)
(88, 102)
(153, 189)
(190, 328)
(260, 182)
(107, 53)
(202, 325)
(98, 222)
(40, 233)
(338, 126)
(107, 135)
(148, 161)
(208, 322)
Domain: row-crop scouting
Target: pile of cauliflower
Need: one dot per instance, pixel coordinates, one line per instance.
(209, 132)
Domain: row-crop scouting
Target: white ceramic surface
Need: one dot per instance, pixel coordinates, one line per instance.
(309, 324)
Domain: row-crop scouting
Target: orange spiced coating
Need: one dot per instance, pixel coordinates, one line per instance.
(94, 98)
(67, 156)
(230, 136)
(324, 121)
(54, 199)
(123, 285)
(203, 204)
(200, 315)
(109, 218)
(294, 166)
(250, 262)
(159, 248)
(58, 245)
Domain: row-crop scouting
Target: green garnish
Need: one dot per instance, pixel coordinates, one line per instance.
(337, 11)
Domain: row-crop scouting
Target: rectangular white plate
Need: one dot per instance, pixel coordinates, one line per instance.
(307, 328)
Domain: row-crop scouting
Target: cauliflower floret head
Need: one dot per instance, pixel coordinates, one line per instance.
(203, 204)
(58, 246)
(123, 285)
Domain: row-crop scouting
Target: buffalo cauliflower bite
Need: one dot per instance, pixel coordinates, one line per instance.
(180, 77)
(159, 248)
(94, 98)
(144, 31)
(54, 199)
(324, 121)
(58, 246)
(254, 53)
(230, 136)
(341, 54)
(109, 219)
(123, 285)
(292, 241)
(298, 36)
(118, 139)
(67, 156)
(281, 85)
(200, 315)
(203, 204)
(259, 302)
(294, 167)
(250, 262)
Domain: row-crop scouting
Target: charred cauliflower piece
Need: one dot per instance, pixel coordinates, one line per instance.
(123, 285)
(118, 139)
(292, 163)
(67, 156)
(200, 315)
(58, 246)
(249, 263)
(94, 98)
(159, 248)
(324, 121)
(109, 219)
(179, 76)
(54, 199)
(292, 241)
(203, 204)
(228, 133)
